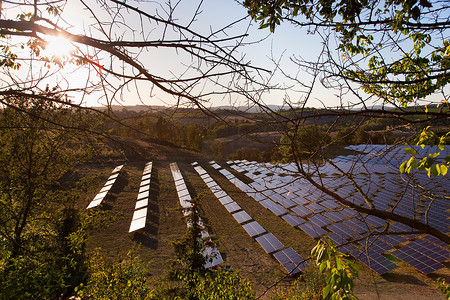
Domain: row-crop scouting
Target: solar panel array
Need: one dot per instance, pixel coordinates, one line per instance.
(105, 189)
(210, 252)
(140, 210)
(287, 257)
(278, 189)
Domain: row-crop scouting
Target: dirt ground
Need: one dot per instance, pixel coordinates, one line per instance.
(239, 250)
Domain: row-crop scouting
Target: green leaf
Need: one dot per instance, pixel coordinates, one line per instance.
(444, 170)
(322, 266)
(402, 167)
(435, 170)
(410, 151)
(326, 290)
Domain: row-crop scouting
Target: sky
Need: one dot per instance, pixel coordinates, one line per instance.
(261, 49)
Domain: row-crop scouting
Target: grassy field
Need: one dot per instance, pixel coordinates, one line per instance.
(239, 250)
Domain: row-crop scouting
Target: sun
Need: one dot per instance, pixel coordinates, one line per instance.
(58, 46)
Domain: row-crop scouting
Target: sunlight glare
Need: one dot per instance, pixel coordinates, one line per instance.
(58, 46)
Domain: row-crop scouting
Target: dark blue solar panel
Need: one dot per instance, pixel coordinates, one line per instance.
(377, 262)
(342, 230)
(253, 228)
(337, 239)
(435, 240)
(242, 217)
(293, 220)
(356, 225)
(315, 207)
(349, 212)
(269, 243)
(420, 262)
(319, 220)
(301, 210)
(375, 221)
(432, 251)
(312, 230)
(290, 260)
(330, 204)
(334, 215)
(300, 200)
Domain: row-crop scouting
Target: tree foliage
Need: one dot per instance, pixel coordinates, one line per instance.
(338, 269)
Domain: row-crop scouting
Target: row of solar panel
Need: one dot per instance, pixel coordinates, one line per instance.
(313, 218)
(288, 258)
(140, 210)
(106, 188)
(210, 252)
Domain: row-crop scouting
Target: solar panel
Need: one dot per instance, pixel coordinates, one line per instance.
(219, 193)
(94, 203)
(312, 230)
(113, 176)
(377, 262)
(200, 170)
(428, 249)
(319, 220)
(225, 200)
(342, 230)
(334, 215)
(232, 207)
(141, 203)
(143, 188)
(105, 189)
(117, 169)
(253, 228)
(293, 219)
(212, 255)
(269, 243)
(301, 211)
(421, 263)
(145, 182)
(100, 196)
(140, 213)
(356, 225)
(137, 224)
(290, 260)
(315, 207)
(241, 217)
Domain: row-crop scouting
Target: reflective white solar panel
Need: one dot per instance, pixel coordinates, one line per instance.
(213, 257)
(110, 182)
(143, 195)
(147, 176)
(113, 176)
(141, 203)
(100, 196)
(220, 193)
(182, 193)
(117, 169)
(145, 182)
(144, 188)
(140, 213)
(137, 224)
(105, 189)
(94, 203)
